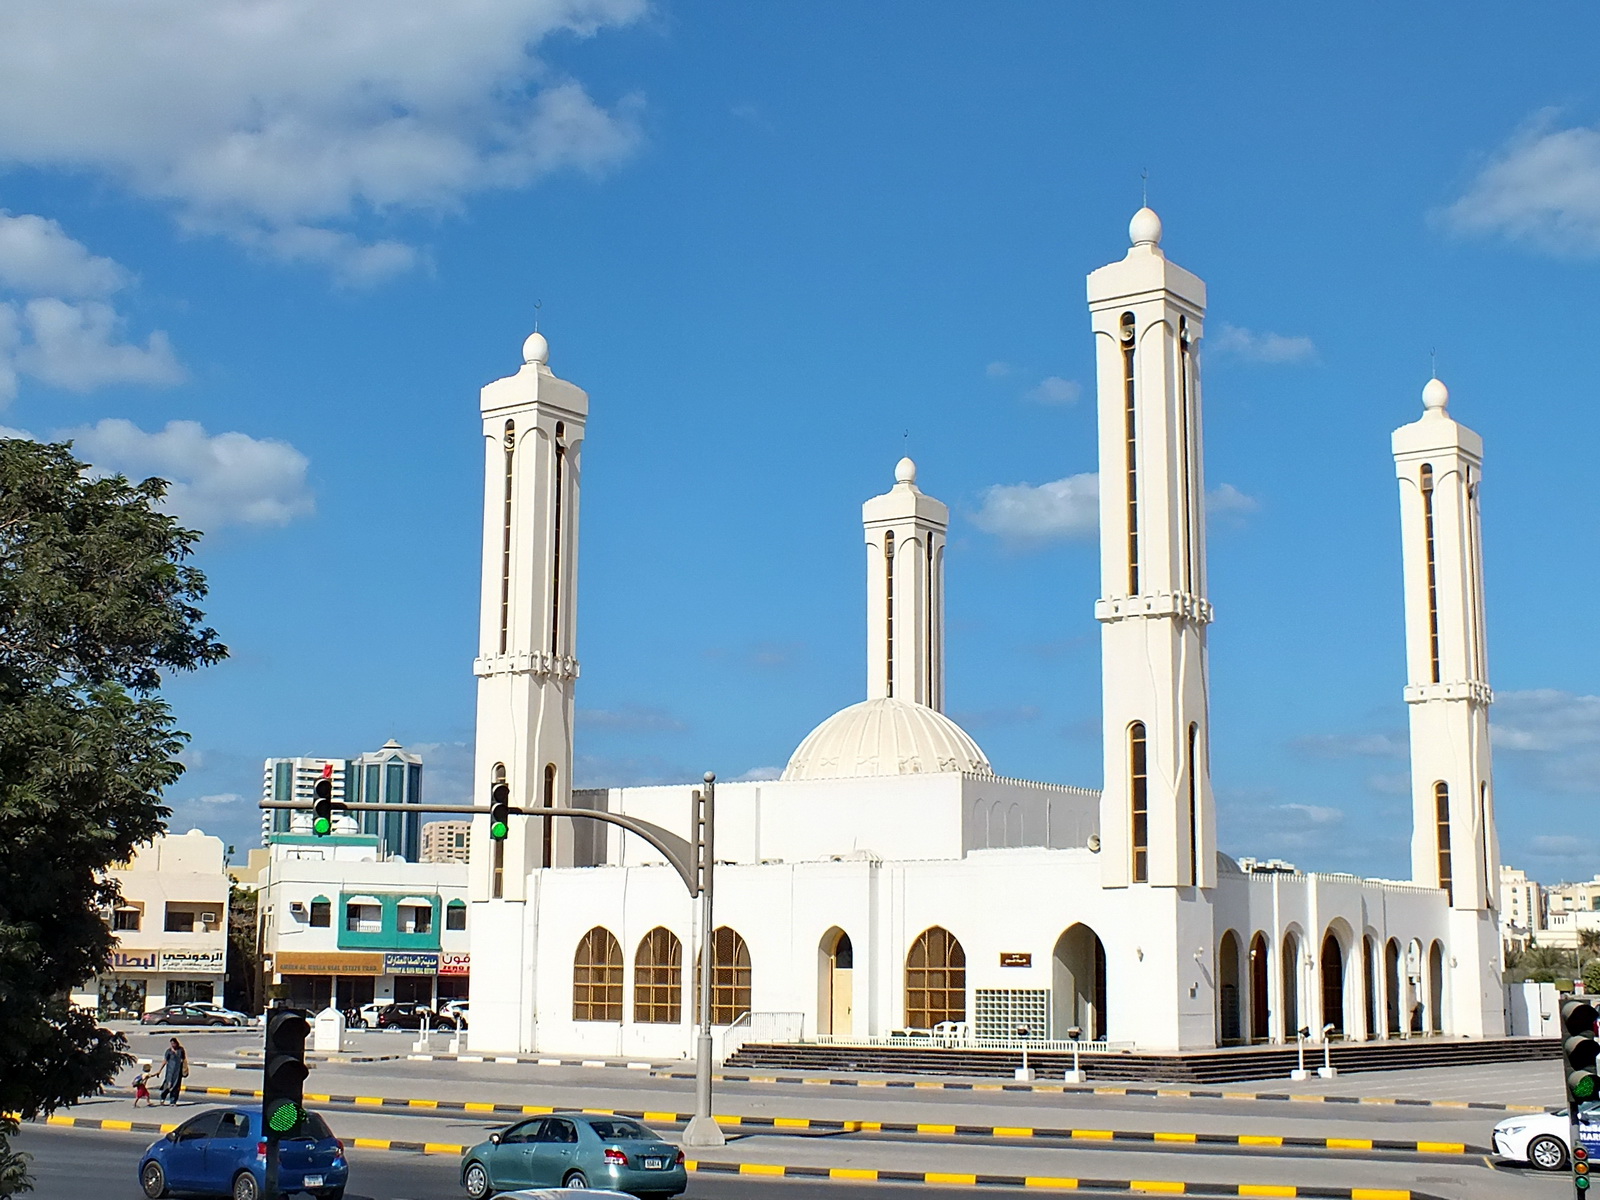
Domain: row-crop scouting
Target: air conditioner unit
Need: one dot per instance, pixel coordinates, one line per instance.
(297, 906)
(208, 918)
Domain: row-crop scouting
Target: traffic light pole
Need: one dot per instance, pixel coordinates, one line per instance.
(270, 1190)
(703, 1129)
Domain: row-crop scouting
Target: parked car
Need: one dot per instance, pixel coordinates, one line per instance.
(406, 1015)
(230, 1016)
(456, 1010)
(559, 1194)
(574, 1150)
(1543, 1140)
(220, 1152)
(186, 1014)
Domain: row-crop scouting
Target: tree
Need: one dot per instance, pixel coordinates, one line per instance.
(97, 603)
(1588, 940)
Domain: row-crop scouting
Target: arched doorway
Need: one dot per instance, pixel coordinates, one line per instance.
(1230, 1015)
(1291, 986)
(1078, 984)
(1332, 971)
(1391, 987)
(1260, 1003)
(835, 983)
(1369, 972)
(936, 979)
(1436, 988)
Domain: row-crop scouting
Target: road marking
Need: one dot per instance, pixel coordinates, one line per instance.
(1267, 1189)
(760, 1169)
(949, 1177)
(1155, 1185)
(1175, 1137)
(1048, 1181)
(866, 1173)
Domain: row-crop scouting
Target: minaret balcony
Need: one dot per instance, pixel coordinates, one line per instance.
(1184, 606)
(542, 664)
(1465, 689)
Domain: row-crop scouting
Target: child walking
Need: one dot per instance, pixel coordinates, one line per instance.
(141, 1089)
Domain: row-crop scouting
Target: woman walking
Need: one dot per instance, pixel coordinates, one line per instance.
(174, 1066)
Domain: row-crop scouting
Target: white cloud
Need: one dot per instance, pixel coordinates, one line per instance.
(1542, 188)
(270, 120)
(1062, 510)
(998, 369)
(629, 718)
(1055, 390)
(61, 328)
(1313, 814)
(1233, 341)
(37, 258)
(1225, 500)
(760, 775)
(1355, 745)
(217, 479)
(1553, 735)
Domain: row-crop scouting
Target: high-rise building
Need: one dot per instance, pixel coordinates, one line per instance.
(291, 779)
(446, 841)
(390, 775)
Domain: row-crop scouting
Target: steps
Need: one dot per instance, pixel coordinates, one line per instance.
(1202, 1067)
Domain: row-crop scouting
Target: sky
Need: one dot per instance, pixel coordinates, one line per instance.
(271, 249)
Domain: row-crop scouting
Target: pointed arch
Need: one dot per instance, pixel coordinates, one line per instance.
(1436, 987)
(658, 978)
(730, 976)
(1139, 800)
(1290, 962)
(1391, 987)
(1078, 979)
(1260, 988)
(1230, 990)
(597, 977)
(1369, 971)
(935, 979)
(1331, 969)
(836, 958)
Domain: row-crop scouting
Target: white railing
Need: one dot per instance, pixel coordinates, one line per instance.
(734, 1036)
(928, 1038)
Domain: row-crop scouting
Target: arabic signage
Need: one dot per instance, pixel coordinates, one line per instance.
(328, 963)
(135, 960)
(181, 962)
(410, 962)
(1015, 958)
(455, 964)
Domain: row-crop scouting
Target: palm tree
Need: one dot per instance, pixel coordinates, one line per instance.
(1588, 939)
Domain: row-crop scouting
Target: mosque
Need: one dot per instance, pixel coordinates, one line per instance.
(892, 880)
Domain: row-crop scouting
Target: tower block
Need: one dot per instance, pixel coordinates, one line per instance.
(1454, 847)
(527, 669)
(1157, 823)
(906, 532)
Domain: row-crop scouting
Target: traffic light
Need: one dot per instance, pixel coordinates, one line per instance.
(322, 803)
(499, 812)
(284, 1072)
(1580, 1049)
(1580, 1168)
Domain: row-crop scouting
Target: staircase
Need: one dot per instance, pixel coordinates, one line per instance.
(1203, 1066)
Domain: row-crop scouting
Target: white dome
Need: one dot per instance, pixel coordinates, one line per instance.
(886, 737)
(1435, 396)
(536, 349)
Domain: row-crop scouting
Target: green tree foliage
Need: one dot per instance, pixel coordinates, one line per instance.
(97, 604)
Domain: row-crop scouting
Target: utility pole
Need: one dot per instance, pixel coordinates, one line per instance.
(703, 1130)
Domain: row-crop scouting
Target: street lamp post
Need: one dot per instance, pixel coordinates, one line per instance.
(703, 1129)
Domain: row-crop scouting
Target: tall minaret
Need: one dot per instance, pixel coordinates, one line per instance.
(533, 425)
(1453, 842)
(906, 532)
(1157, 824)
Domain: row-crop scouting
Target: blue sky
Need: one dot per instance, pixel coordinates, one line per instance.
(271, 249)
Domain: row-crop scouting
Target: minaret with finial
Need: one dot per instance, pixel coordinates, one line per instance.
(1439, 464)
(527, 669)
(906, 531)
(1157, 826)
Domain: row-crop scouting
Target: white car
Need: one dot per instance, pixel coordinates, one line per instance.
(1543, 1140)
(456, 1009)
(369, 1015)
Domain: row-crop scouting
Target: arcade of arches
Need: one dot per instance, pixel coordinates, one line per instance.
(1338, 987)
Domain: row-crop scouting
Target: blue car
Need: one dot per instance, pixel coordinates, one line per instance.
(221, 1152)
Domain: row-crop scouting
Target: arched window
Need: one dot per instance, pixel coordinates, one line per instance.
(1130, 437)
(547, 849)
(1433, 574)
(936, 980)
(559, 484)
(1185, 443)
(888, 612)
(730, 977)
(455, 915)
(1441, 817)
(510, 441)
(597, 977)
(1139, 800)
(1194, 806)
(658, 979)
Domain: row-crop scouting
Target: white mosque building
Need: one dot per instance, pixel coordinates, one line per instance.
(891, 880)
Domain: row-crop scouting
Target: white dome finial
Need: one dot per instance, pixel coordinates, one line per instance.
(905, 471)
(536, 349)
(1435, 396)
(1145, 228)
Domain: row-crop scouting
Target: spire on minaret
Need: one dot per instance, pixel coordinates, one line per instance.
(1454, 847)
(1156, 820)
(905, 531)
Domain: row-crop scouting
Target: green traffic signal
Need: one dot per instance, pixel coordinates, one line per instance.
(322, 807)
(499, 812)
(284, 1116)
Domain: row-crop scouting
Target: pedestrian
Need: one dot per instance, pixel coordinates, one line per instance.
(174, 1066)
(141, 1088)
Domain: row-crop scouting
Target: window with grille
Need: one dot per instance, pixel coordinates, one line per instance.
(936, 980)
(658, 979)
(730, 976)
(1139, 800)
(1007, 1012)
(1441, 814)
(597, 977)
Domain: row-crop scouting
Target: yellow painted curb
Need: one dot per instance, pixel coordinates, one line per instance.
(760, 1169)
(1267, 1189)
(852, 1173)
(1047, 1181)
(949, 1177)
(1155, 1185)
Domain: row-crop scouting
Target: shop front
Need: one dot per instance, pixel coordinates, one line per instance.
(141, 980)
(351, 978)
